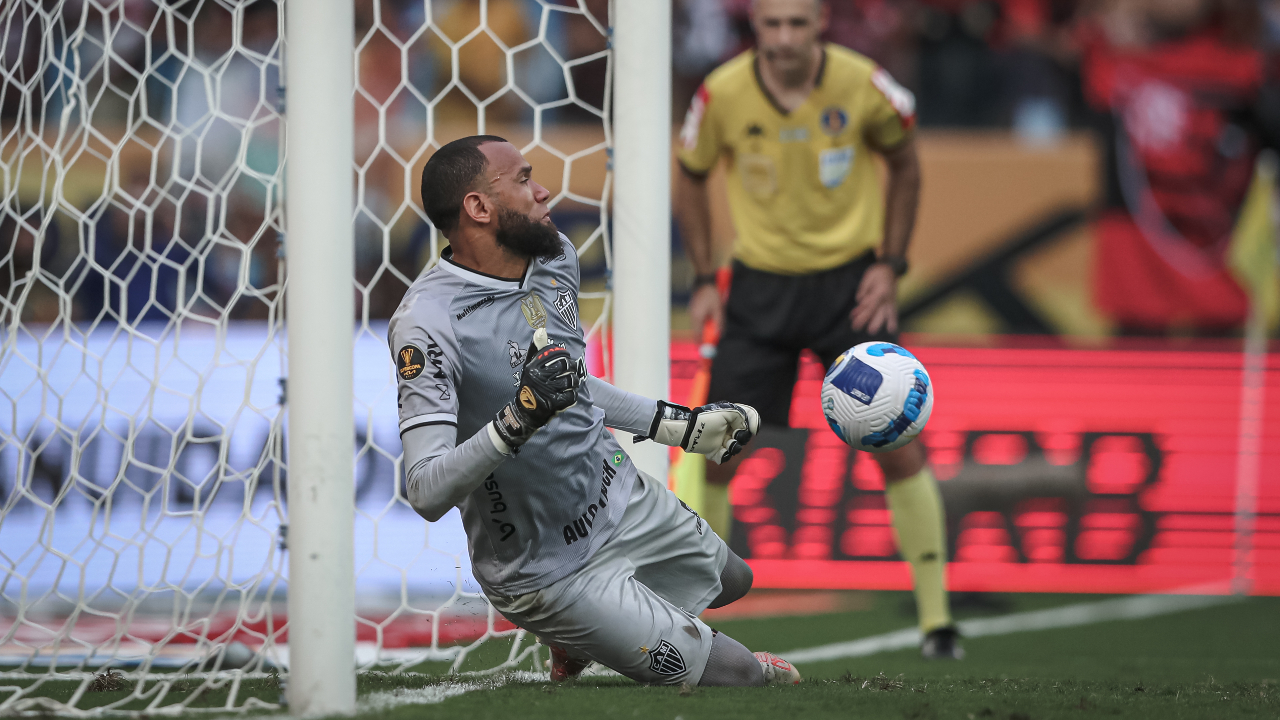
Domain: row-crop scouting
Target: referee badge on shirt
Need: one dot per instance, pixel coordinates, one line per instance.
(534, 312)
(834, 120)
(834, 165)
(665, 659)
(567, 307)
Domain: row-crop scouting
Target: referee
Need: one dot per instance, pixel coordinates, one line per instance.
(819, 246)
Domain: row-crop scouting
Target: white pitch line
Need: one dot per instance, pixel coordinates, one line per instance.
(433, 694)
(1126, 608)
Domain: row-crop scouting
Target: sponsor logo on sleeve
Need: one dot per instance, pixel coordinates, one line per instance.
(665, 659)
(693, 118)
(410, 362)
(535, 313)
(567, 308)
(899, 97)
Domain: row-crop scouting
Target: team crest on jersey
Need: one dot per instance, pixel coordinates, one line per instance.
(410, 362)
(665, 659)
(567, 308)
(834, 120)
(534, 311)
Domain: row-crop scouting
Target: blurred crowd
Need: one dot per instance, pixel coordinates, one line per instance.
(202, 237)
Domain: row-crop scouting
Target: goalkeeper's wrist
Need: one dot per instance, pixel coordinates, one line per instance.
(499, 443)
(669, 426)
(513, 428)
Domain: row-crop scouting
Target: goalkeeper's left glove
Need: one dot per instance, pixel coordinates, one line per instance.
(718, 431)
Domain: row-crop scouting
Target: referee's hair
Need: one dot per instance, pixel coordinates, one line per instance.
(449, 175)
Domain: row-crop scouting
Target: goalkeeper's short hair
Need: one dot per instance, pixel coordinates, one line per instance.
(449, 175)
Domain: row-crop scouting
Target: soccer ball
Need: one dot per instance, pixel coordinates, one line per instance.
(877, 397)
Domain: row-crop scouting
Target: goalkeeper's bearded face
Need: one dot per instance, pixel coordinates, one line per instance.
(523, 224)
(527, 238)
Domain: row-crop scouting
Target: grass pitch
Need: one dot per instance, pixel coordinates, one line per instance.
(1216, 662)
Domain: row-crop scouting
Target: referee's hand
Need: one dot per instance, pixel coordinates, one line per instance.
(877, 307)
(704, 305)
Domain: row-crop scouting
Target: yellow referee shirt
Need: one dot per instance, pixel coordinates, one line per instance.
(803, 188)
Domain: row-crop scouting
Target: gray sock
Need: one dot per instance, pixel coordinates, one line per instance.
(735, 581)
(731, 664)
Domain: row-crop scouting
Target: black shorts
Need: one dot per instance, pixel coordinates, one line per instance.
(770, 319)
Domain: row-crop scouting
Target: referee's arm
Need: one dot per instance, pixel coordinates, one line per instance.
(692, 203)
(877, 295)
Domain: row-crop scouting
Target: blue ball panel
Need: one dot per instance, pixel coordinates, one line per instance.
(858, 380)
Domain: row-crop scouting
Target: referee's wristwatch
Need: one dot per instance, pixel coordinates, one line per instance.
(897, 263)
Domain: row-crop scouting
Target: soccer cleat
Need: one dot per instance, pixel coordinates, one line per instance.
(942, 644)
(564, 667)
(776, 670)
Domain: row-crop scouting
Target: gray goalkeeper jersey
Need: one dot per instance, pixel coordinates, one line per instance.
(459, 339)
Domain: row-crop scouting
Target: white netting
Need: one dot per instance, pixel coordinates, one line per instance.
(143, 523)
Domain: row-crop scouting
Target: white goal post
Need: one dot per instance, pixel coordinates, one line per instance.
(642, 208)
(320, 257)
(199, 458)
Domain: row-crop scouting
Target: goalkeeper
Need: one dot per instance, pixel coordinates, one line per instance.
(799, 122)
(499, 418)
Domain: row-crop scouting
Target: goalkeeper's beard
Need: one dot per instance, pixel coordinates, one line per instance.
(526, 238)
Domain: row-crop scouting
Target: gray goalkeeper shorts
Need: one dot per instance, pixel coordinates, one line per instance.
(633, 606)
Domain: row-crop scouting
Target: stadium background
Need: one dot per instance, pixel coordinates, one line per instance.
(1073, 456)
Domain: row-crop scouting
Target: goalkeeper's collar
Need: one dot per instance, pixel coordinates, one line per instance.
(448, 264)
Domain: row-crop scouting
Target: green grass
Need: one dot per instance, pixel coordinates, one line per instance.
(1217, 662)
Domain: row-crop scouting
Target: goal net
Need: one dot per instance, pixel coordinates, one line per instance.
(143, 522)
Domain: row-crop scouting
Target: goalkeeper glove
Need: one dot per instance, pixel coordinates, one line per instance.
(719, 430)
(548, 386)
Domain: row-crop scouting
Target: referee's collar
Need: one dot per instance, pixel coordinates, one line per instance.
(817, 80)
(448, 264)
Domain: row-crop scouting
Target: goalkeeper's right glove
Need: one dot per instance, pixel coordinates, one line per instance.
(719, 430)
(548, 385)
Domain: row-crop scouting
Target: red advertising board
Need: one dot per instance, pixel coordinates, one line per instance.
(1062, 470)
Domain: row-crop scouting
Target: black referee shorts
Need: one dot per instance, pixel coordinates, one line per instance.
(769, 319)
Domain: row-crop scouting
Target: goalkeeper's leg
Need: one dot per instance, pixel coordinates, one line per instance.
(633, 607)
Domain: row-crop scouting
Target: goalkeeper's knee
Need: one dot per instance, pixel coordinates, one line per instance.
(735, 581)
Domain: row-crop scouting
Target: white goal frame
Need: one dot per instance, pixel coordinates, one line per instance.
(320, 92)
(320, 247)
